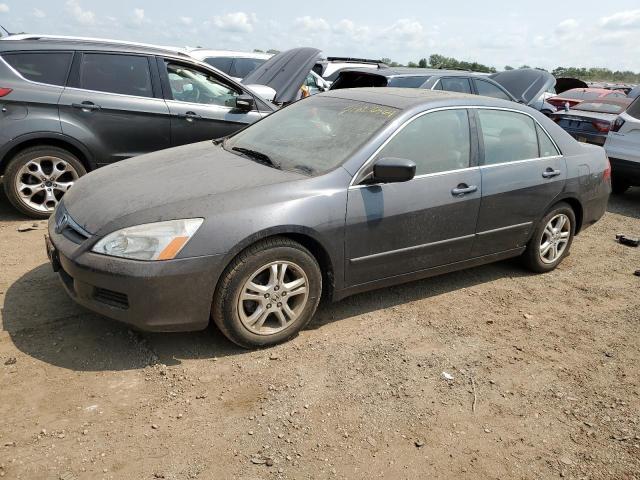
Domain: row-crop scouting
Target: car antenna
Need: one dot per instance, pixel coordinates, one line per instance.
(8, 32)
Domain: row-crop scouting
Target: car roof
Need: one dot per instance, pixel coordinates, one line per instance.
(205, 52)
(43, 42)
(409, 98)
(390, 72)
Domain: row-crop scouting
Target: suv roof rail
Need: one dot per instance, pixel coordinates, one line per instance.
(102, 41)
(354, 60)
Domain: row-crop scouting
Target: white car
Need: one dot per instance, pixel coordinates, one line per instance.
(623, 148)
(330, 68)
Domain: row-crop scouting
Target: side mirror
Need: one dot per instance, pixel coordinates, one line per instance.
(392, 170)
(245, 103)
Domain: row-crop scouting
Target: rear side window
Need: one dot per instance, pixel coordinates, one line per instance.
(487, 89)
(547, 148)
(437, 142)
(221, 63)
(122, 74)
(50, 67)
(407, 82)
(456, 84)
(244, 66)
(507, 136)
(634, 109)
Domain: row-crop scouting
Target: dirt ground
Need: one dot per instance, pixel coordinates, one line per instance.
(546, 379)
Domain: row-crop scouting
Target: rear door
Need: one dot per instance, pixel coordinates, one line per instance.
(113, 104)
(522, 172)
(201, 103)
(398, 228)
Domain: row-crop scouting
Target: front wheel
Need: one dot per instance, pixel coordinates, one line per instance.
(268, 293)
(551, 240)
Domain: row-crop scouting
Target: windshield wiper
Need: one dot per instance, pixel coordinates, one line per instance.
(258, 156)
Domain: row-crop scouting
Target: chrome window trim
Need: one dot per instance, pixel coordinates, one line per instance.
(417, 177)
(457, 107)
(515, 162)
(19, 75)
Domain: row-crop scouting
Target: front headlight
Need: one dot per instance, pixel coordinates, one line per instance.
(151, 241)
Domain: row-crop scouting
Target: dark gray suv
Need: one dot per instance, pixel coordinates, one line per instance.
(69, 106)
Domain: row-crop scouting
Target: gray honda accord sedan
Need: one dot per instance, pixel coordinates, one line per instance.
(339, 193)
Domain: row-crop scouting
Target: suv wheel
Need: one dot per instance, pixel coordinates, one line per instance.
(36, 179)
(551, 240)
(268, 293)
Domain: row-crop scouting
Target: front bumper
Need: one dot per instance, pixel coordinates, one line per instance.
(165, 296)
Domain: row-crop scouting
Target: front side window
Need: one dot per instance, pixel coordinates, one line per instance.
(436, 142)
(194, 86)
(487, 89)
(312, 136)
(244, 66)
(507, 136)
(122, 74)
(456, 84)
(50, 67)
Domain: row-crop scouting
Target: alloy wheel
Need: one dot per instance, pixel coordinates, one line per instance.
(555, 238)
(42, 182)
(273, 297)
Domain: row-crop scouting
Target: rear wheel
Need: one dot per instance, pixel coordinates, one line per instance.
(551, 240)
(36, 179)
(268, 293)
(618, 187)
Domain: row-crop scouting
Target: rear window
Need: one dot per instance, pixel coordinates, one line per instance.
(49, 67)
(407, 82)
(600, 107)
(634, 109)
(122, 74)
(221, 63)
(580, 94)
(358, 80)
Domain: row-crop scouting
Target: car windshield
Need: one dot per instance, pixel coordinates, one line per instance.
(601, 107)
(312, 136)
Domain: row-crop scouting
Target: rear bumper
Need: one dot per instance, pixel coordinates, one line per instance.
(626, 171)
(165, 296)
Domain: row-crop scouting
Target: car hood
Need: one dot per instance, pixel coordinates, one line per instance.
(284, 72)
(157, 181)
(525, 84)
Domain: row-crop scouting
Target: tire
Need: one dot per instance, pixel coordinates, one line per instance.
(266, 299)
(533, 258)
(36, 192)
(618, 187)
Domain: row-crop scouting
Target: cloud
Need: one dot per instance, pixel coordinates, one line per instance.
(186, 20)
(38, 13)
(406, 31)
(626, 19)
(314, 25)
(4, 8)
(84, 17)
(567, 26)
(138, 16)
(239, 22)
(351, 30)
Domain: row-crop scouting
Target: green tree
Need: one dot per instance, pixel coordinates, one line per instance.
(508, 67)
(257, 50)
(422, 63)
(412, 65)
(273, 51)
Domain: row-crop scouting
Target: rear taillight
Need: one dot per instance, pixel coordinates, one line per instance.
(5, 91)
(617, 124)
(601, 126)
(607, 171)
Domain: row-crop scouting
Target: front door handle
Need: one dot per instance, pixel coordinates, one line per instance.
(190, 116)
(550, 173)
(86, 106)
(463, 189)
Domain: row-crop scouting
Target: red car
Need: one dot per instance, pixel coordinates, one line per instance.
(578, 95)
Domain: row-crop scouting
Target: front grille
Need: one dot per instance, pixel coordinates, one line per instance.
(68, 227)
(109, 297)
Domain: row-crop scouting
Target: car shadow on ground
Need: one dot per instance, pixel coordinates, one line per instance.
(627, 204)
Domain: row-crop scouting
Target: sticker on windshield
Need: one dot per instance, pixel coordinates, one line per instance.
(369, 108)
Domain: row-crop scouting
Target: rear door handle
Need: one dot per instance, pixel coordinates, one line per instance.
(463, 189)
(86, 106)
(550, 173)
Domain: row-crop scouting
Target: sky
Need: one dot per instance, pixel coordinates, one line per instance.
(494, 32)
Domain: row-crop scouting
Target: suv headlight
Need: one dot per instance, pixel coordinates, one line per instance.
(151, 241)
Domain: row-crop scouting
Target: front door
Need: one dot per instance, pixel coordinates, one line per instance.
(112, 107)
(202, 105)
(398, 228)
(522, 172)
